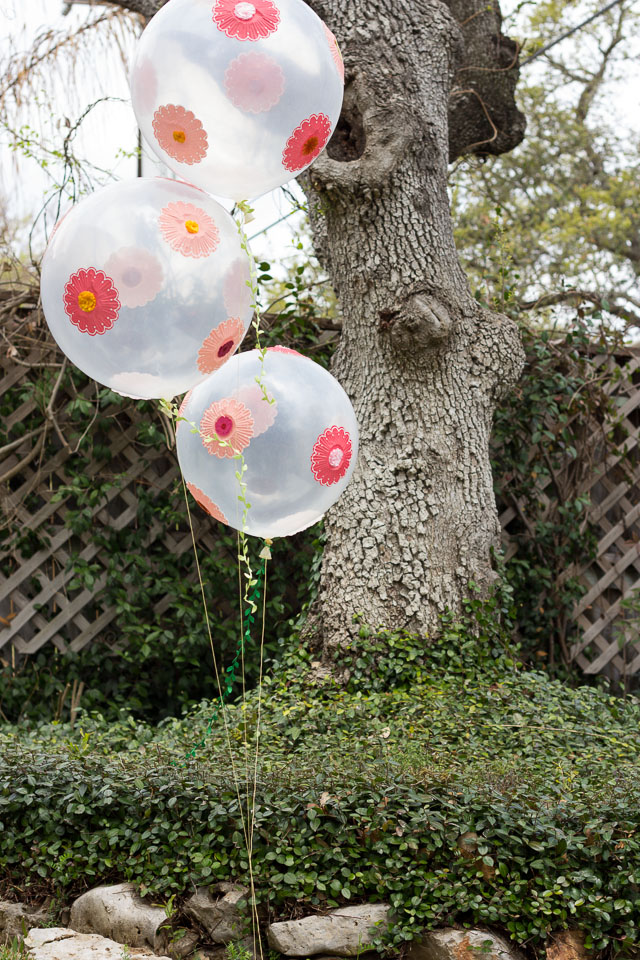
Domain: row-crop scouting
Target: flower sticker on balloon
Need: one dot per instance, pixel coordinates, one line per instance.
(188, 229)
(263, 409)
(91, 301)
(331, 456)
(280, 349)
(180, 133)
(236, 289)
(254, 82)
(137, 274)
(226, 428)
(244, 20)
(221, 343)
(306, 142)
(335, 51)
(206, 503)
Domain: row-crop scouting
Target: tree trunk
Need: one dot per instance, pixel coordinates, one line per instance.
(423, 364)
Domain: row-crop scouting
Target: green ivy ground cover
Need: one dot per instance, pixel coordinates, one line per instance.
(364, 790)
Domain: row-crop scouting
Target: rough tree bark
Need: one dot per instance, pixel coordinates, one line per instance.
(423, 363)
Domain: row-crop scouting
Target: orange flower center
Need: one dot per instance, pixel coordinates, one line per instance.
(309, 146)
(87, 301)
(192, 226)
(179, 136)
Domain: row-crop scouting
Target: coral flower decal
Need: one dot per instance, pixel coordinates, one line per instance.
(206, 503)
(335, 51)
(188, 229)
(91, 301)
(237, 288)
(246, 21)
(306, 142)
(221, 343)
(183, 406)
(180, 133)
(279, 349)
(331, 455)
(264, 411)
(254, 82)
(144, 84)
(226, 427)
(137, 274)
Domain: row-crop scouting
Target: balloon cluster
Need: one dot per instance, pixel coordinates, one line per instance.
(146, 284)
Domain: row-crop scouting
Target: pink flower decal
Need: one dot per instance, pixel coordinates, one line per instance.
(279, 349)
(263, 412)
(254, 82)
(206, 503)
(188, 229)
(226, 427)
(237, 288)
(91, 301)
(335, 51)
(244, 20)
(180, 133)
(183, 406)
(221, 343)
(331, 456)
(306, 142)
(137, 274)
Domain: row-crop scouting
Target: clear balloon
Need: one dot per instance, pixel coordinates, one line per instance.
(237, 97)
(299, 443)
(145, 287)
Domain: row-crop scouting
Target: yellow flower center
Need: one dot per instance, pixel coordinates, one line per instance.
(179, 136)
(192, 226)
(87, 301)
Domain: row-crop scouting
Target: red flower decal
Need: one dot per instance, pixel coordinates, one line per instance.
(244, 20)
(335, 51)
(180, 133)
(331, 456)
(279, 349)
(226, 427)
(221, 343)
(91, 301)
(306, 142)
(206, 503)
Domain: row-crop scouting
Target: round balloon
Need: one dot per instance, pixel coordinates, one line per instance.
(145, 287)
(299, 443)
(237, 97)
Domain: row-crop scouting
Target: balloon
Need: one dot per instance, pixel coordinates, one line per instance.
(144, 287)
(237, 97)
(299, 451)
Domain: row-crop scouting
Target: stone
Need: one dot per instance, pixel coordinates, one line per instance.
(17, 918)
(117, 912)
(346, 932)
(60, 943)
(178, 943)
(566, 945)
(222, 917)
(450, 944)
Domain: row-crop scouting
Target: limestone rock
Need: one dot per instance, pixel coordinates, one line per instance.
(60, 943)
(566, 945)
(345, 932)
(449, 944)
(222, 917)
(17, 918)
(117, 912)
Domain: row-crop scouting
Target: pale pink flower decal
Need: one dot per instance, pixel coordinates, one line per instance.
(180, 133)
(206, 503)
(263, 412)
(183, 406)
(188, 229)
(254, 82)
(144, 84)
(226, 427)
(279, 349)
(221, 343)
(244, 20)
(335, 51)
(137, 274)
(91, 301)
(331, 456)
(236, 288)
(306, 142)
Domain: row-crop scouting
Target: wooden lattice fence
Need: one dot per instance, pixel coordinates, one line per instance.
(40, 604)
